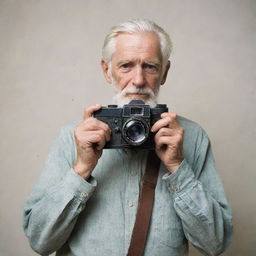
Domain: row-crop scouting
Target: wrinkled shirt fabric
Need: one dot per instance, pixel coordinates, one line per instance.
(72, 216)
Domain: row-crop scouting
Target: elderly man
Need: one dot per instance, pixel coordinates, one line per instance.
(86, 199)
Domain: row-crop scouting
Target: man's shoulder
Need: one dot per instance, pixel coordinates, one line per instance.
(187, 123)
(191, 127)
(67, 131)
(70, 126)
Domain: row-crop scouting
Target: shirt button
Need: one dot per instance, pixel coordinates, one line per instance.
(130, 203)
(133, 173)
(175, 187)
(84, 194)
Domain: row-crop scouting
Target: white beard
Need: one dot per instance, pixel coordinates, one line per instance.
(122, 97)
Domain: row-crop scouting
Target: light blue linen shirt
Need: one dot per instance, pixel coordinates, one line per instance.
(67, 214)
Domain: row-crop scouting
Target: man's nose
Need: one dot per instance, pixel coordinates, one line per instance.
(138, 78)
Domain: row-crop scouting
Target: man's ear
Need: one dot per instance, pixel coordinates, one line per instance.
(105, 69)
(167, 67)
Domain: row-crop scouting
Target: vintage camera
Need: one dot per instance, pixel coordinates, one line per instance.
(131, 124)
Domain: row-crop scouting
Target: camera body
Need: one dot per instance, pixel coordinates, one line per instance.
(130, 125)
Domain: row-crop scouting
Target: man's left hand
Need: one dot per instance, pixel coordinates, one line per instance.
(169, 140)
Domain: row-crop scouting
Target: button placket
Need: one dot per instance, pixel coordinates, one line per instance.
(133, 173)
(132, 191)
(130, 203)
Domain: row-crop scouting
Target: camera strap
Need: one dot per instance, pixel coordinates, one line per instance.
(146, 201)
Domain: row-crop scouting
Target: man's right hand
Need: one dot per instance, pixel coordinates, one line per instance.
(91, 136)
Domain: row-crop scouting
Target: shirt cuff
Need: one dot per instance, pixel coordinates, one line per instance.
(181, 179)
(79, 188)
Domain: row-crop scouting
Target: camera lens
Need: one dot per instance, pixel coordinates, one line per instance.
(135, 132)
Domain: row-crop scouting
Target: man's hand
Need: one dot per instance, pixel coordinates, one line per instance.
(169, 140)
(91, 136)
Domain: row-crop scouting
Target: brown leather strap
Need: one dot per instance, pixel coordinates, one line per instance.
(140, 229)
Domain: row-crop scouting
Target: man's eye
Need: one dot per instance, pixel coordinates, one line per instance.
(126, 65)
(150, 67)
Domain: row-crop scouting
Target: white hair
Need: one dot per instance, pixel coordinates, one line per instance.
(133, 26)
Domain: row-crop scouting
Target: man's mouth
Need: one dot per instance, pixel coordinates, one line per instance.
(144, 95)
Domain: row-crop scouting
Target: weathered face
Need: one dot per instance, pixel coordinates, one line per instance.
(136, 66)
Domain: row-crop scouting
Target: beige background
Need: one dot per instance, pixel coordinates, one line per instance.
(49, 71)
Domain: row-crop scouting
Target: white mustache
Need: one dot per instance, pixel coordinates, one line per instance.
(122, 97)
(135, 90)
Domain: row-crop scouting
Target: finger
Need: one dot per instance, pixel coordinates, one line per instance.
(93, 124)
(90, 138)
(165, 132)
(172, 115)
(108, 134)
(170, 131)
(164, 122)
(169, 141)
(105, 135)
(90, 110)
(101, 139)
(168, 119)
(100, 145)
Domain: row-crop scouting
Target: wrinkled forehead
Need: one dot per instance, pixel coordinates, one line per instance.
(144, 43)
